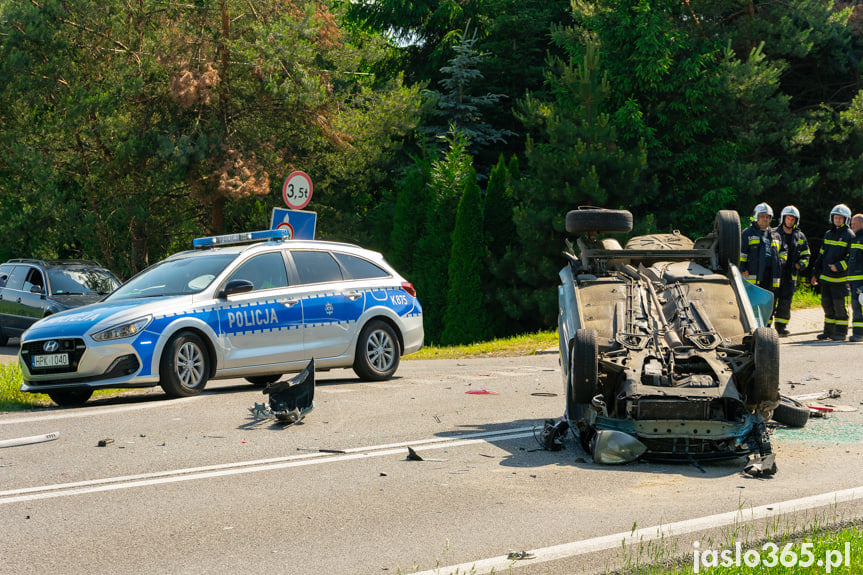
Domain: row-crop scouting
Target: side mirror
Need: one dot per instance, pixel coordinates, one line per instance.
(236, 286)
(36, 289)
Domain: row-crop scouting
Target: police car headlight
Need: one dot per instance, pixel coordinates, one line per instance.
(129, 329)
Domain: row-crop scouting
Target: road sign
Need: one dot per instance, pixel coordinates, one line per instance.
(297, 190)
(301, 225)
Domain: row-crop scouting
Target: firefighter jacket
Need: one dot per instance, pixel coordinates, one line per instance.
(834, 250)
(796, 252)
(855, 258)
(762, 255)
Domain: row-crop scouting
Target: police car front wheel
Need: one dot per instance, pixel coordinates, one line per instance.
(185, 365)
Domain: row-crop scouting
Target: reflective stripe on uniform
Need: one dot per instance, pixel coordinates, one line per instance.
(841, 280)
(836, 243)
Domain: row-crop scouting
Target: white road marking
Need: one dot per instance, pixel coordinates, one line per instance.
(87, 411)
(503, 565)
(177, 475)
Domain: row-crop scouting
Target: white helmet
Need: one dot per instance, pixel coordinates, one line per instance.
(842, 210)
(790, 211)
(764, 208)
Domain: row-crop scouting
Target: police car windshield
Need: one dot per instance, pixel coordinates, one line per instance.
(181, 276)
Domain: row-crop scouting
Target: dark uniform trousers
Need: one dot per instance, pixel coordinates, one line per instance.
(834, 301)
(856, 309)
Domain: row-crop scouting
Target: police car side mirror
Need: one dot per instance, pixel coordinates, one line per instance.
(35, 289)
(236, 286)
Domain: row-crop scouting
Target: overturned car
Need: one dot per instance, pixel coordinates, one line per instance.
(664, 350)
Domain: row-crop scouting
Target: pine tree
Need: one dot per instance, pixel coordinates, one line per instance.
(466, 318)
(575, 160)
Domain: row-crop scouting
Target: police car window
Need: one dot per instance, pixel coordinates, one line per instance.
(185, 275)
(265, 271)
(359, 269)
(316, 267)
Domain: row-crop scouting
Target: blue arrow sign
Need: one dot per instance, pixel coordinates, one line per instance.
(300, 225)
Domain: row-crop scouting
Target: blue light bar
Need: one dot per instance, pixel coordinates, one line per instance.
(243, 238)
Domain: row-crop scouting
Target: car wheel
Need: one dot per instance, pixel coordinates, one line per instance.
(727, 230)
(765, 383)
(4, 339)
(583, 372)
(377, 352)
(185, 366)
(597, 220)
(70, 397)
(791, 412)
(264, 380)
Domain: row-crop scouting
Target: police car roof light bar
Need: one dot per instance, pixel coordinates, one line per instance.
(241, 238)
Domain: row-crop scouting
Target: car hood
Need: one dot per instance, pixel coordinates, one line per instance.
(76, 300)
(79, 321)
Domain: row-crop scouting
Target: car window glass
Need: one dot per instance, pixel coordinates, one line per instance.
(34, 279)
(178, 276)
(359, 269)
(265, 271)
(316, 267)
(16, 277)
(81, 281)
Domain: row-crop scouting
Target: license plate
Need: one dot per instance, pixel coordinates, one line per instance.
(53, 360)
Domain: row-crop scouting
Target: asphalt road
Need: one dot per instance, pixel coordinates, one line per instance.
(196, 486)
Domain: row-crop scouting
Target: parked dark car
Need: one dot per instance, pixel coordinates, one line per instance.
(33, 289)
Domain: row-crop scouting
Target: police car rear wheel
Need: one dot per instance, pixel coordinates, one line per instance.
(70, 397)
(377, 352)
(185, 366)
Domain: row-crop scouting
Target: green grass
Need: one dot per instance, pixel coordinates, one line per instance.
(805, 298)
(11, 397)
(527, 344)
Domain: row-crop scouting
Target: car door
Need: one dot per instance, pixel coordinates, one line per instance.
(263, 326)
(14, 320)
(331, 306)
(33, 303)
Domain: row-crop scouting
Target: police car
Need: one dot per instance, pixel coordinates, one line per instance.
(251, 305)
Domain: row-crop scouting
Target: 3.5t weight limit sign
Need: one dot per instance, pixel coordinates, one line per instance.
(297, 190)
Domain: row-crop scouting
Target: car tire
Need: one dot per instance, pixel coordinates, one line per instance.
(185, 365)
(378, 352)
(4, 339)
(727, 230)
(791, 412)
(70, 397)
(765, 381)
(597, 220)
(264, 380)
(583, 372)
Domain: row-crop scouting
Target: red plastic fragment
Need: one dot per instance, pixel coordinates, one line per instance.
(482, 391)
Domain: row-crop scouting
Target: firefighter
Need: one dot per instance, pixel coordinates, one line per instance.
(796, 259)
(855, 278)
(762, 255)
(830, 271)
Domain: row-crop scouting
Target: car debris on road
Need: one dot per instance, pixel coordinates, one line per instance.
(290, 400)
